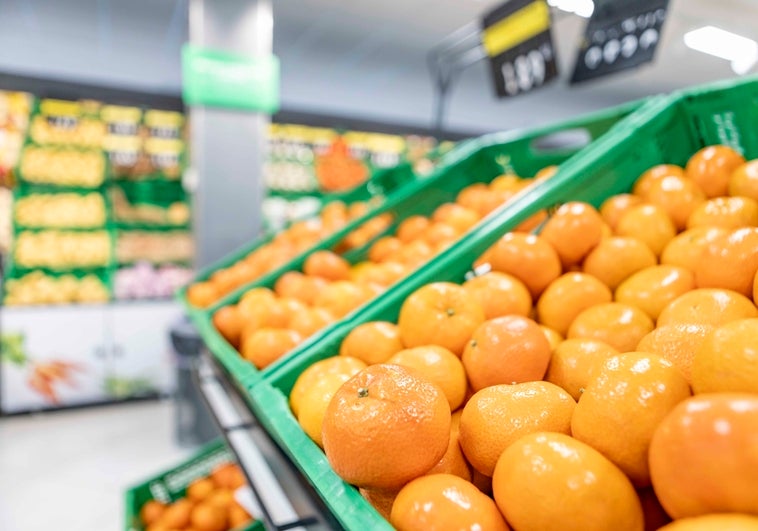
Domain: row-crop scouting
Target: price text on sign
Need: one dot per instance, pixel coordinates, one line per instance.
(516, 37)
(619, 36)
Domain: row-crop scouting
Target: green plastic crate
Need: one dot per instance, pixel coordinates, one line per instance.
(666, 130)
(474, 161)
(172, 484)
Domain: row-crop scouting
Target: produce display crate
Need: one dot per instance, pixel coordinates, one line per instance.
(666, 130)
(23, 191)
(172, 484)
(13, 273)
(523, 153)
(21, 178)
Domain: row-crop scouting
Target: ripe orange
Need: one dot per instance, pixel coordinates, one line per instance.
(744, 180)
(456, 216)
(506, 350)
(497, 416)
(373, 342)
(575, 361)
(440, 313)
(439, 233)
(616, 206)
(676, 343)
(568, 296)
(414, 254)
(412, 228)
(384, 248)
(648, 223)
(473, 196)
(151, 511)
(272, 314)
(238, 517)
(326, 264)
(177, 514)
(730, 261)
(453, 462)
(341, 297)
(685, 249)
(500, 294)
(573, 231)
(594, 494)
(308, 321)
(202, 294)
(677, 195)
(253, 300)
(339, 365)
(653, 288)
(645, 181)
(439, 366)
(727, 359)
(546, 173)
(619, 325)
(638, 386)
(209, 517)
(529, 258)
(708, 306)
(508, 182)
(266, 345)
(711, 168)
(703, 456)
(385, 426)
(229, 322)
(715, 522)
(200, 489)
(725, 212)
(444, 501)
(615, 259)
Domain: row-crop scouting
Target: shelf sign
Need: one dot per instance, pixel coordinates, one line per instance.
(516, 37)
(217, 78)
(620, 35)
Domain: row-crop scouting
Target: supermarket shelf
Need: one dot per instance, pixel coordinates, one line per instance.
(286, 499)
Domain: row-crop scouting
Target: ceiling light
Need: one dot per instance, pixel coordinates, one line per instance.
(583, 8)
(740, 51)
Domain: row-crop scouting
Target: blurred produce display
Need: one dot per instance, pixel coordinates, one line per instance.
(62, 249)
(61, 210)
(176, 213)
(62, 166)
(154, 246)
(14, 120)
(145, 281)
(6, 220)
(69, 123)
(38, 287)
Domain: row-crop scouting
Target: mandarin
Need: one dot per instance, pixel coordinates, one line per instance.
(615, 259)
(439, 366)
(500, 294)
(648, 223)
(744, 180)
(727, 359)
(574, 362)
(372, 342)
(619, 325)
(676, 343)
(725, 212)
(711, 168)
(616, 206)
(654, 287)
(573, 231)
(528, 257)
(646, 180)
(568, 296)
(708, 306)
(677, 195)
(686, 247)
(266, 345)
(730, 261)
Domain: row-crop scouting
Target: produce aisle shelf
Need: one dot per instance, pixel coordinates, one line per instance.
(286, 499)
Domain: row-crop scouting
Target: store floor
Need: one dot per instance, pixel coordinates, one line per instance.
(69, 470)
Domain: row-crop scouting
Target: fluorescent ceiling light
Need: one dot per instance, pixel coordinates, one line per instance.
(740, 51)
(583, 8)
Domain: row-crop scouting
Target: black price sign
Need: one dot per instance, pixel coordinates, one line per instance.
(516, 37)
(622, 34)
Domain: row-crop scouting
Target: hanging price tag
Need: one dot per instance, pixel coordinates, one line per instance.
(620, 35)
(516, 37)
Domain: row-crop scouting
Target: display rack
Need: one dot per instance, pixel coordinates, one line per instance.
(286, 500)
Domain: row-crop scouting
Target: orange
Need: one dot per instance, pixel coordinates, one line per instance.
(755, 288)
(529, 258)
(730, 261)
(616, 206)
(381, 500)
(412, 228)
(438, 233)
(373, 342)
(473, 196)
(685, 249)
(202, 294)
(229, 322)
(308, 321)
(224, 281)
(151, 511)
(573, 230)
(616, 258)
(703, 456)
(266, 345)
(228, 476)
(532, 222)
(727, 359)
(238, 517)
(200, 489)
(385, 426)
(594, 494)
(506, 350)
(336, 365)
(340, 298)
(708, 306)
(507, 182)
(221, 498)
(648, 223)
(646, 180)
(619, 325)
(414, 254)
(677, 195)
(383, 248)
(272, 314)
(326, 264)
(500, 294)
(177, 514)
(456, 216)
(453, 462)
(574, 363)
(444, 501)
(653, 288)
(715, 522)
(440, 313)
(207, 517)
(568, 296)
(711, 168)
(439, 366)
(253, 300)
(676, 343)
(744, 180)
(725, 212)
(622, 405)
(497, 416)
(295, 285)
(553, 337)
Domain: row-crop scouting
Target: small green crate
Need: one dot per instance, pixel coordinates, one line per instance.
(172, 484)
(474, 161)
(666, 130)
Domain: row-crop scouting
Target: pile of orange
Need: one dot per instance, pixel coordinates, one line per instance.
(266, 324)
(208, 505)
(602, 374)
(294, 240)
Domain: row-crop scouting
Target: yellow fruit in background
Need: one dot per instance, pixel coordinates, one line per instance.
(653, 288)
(727, 359)
(574, 363)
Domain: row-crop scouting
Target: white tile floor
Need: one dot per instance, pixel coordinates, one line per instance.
(68, 471)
